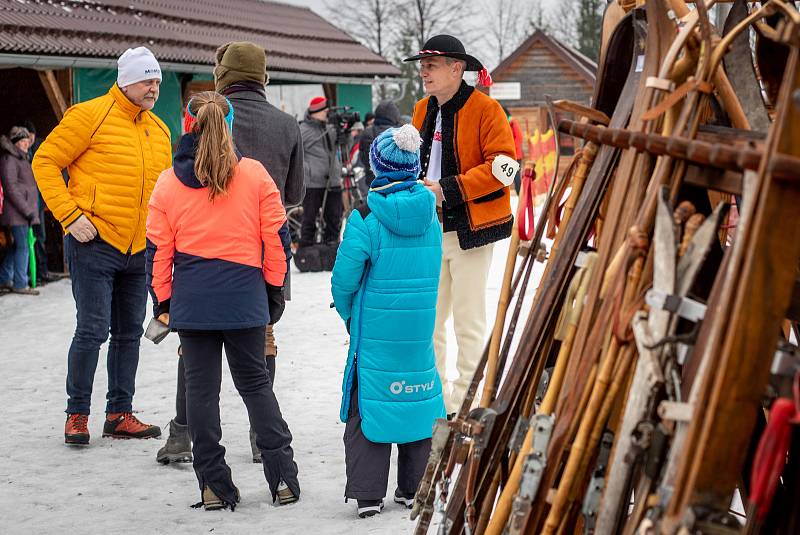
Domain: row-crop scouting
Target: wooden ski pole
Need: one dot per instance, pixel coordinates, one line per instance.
(587, 421)
(500, 516)
(500, 319)
(578, 179)
(762, 291)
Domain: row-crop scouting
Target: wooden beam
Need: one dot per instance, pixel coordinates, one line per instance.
(732, 157)
(53, 91)
(714, 179)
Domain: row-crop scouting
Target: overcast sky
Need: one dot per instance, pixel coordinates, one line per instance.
(319, 7)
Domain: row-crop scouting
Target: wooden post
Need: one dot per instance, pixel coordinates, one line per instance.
(53, 91)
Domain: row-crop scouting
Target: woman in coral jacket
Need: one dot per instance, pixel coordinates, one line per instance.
(215, 265)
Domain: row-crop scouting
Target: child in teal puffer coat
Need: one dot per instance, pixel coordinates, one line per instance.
(384, 287)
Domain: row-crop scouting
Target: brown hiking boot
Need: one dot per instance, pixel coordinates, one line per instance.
(211, 501)
(126, 425)
(76, 431)
(285, 494)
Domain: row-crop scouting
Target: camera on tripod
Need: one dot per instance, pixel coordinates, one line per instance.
(343, 118)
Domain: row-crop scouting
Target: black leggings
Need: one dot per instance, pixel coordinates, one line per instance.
(202, 356)
(180, 395)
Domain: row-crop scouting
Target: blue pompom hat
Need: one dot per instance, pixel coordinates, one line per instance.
(394, 158)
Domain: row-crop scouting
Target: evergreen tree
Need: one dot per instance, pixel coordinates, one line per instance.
(589, 26)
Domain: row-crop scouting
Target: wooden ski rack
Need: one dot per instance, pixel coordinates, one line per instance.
(666, 348)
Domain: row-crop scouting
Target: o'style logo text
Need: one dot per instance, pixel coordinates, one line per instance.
(398, 387)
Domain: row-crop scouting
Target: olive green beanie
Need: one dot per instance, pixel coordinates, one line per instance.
(238, 62)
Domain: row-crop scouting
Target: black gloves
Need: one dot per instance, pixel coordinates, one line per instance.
(161, 308)
(276, 303)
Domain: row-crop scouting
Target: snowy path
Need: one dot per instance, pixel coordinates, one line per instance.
(115, 486)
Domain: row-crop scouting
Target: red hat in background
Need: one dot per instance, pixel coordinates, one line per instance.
(317, 104)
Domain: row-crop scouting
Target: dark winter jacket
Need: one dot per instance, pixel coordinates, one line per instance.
(207, 261)
(21, 205)
(320, 161)
(387, 115)
(264, 133)
(385, 284)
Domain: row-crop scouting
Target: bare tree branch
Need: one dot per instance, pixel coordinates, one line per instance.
(372, 22)
(506, 25)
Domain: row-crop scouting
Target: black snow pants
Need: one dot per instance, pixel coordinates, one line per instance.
(367, 463)
(202, 359)
(331, 213)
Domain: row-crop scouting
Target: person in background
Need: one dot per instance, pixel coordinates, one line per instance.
(20, 209)
(384, 287)
(323, 170)
(43, 275)
(356, 131)
(369, 118)
(216, 265)
(103, 210)
(516, 131)
(387, 115)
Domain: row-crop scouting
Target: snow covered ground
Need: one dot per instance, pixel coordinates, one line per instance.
(115, 486)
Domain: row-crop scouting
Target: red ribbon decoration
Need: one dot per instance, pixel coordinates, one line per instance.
(773, 446)
(525, 212)
(484, 78)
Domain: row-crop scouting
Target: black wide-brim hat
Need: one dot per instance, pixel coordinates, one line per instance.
(449, 46)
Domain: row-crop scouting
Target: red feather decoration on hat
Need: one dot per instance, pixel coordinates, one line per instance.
(484, 78)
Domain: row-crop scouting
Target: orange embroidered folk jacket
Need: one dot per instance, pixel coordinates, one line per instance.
(475, 131)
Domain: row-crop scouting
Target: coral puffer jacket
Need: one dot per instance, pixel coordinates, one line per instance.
(211, 259)
(114, 153)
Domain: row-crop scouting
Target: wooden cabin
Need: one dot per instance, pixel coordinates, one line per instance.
(540, 66)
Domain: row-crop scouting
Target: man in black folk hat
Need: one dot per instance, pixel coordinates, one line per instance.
(468, 162)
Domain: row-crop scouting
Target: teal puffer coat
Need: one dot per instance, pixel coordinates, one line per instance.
(385, 282)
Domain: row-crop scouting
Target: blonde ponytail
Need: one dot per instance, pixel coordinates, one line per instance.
(215, 160)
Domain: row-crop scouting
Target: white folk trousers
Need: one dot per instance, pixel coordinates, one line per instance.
(462, 292)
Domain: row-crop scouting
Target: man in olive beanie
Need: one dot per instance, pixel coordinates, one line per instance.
(261, 131)
(264, 133)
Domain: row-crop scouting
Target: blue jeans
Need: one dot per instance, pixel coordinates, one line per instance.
(110, 296)
(15, 265)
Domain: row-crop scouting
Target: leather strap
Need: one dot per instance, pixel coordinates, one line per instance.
(580, 110)
(660, 83)
(525, 217)
(673, 98)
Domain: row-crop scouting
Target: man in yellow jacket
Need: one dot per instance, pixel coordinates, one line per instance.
(114, 148)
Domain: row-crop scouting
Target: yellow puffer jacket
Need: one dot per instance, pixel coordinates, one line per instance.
(114, 153)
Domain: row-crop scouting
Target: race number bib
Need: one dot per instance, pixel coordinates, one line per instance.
(504, 169)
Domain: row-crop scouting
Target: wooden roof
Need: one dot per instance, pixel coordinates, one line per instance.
(544, 66)
(583, 66)
(185, 33)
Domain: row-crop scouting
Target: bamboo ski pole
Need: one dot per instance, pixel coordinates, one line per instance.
(578, 180)
(503, 509)
(598, 392)
(500, 319)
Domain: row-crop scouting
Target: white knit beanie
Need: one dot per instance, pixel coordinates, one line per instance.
(135, 65)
